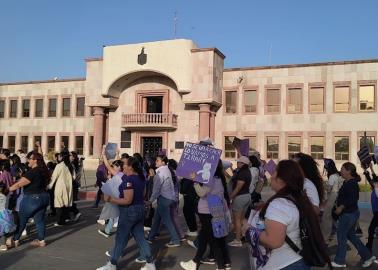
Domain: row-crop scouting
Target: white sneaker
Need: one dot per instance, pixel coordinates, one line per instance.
(193, 234)
(147, 229)
(115, 225)
(368, 262)
(24, 234)
(191, 243)
(108, 266)
(101, 222)
(107, 253)
(235, 243)
(149, 266)
(3, 248)
(78, 215)
(189, 265)
(336, 265)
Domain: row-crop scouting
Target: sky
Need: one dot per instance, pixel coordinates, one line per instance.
(43, 39)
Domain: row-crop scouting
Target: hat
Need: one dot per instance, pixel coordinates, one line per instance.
(206, 142)
(243, 159)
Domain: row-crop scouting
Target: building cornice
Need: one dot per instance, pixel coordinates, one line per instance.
(45, 81)
(209, 49)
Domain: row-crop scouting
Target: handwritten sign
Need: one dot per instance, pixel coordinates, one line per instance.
(111, 150)
(198, 160)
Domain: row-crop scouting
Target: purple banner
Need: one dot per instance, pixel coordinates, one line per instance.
(270, 167)
(241, 146)
(198, 161)
(162, 152)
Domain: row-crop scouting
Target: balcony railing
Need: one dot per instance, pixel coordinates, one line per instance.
(150, 120)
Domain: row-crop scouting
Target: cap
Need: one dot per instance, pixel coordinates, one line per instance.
(243, 159)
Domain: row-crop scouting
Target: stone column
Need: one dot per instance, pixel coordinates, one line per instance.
(98, 131)
(204, 121)
(212, 125)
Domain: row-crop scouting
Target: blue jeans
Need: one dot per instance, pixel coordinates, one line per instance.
(33, 205)
(346, 231)
(130, 222)
(163, 214)
(298, 265)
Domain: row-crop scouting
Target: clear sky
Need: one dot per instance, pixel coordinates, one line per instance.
(43, 39)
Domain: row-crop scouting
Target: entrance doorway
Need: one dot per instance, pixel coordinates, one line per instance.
(151, 146)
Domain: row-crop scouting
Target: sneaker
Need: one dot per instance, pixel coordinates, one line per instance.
(149, 266)
(115, 225)
(191, 243)
(101, 222)
(140, 259)
(336, 265)
(192, 234)
(3, 248)
(227, 266)
(147, 229)
(210, 261)
(107, 253)
(235, 243)
(58, 225)
(103, 233)
(170, 244)
(38, 243)
(24, 234)
(189, 265)
(368, 262)
(108, 266)
(78, 215)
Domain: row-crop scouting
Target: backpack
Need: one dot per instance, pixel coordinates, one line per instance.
(311, 249)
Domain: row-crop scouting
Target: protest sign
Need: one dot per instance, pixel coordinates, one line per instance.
(111, 150)
(111, 187)
(241, 146)
(199, 161)
(162, 152)
(270, 167)
(364, 155)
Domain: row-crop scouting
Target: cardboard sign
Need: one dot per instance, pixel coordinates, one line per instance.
(199, 161)
(270, 167)
(241, 146)
(111, 150)
(364, 155)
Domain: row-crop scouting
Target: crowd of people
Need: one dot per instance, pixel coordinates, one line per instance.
(278, 232)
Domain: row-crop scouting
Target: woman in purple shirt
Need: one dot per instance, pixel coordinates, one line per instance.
(131, 215)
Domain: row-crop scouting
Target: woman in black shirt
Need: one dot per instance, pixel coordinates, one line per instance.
(35, 200)
(347, 208)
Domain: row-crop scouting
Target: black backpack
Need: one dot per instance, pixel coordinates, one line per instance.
(311, 248)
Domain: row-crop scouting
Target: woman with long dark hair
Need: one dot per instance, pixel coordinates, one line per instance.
(347, 209)
(280, 218)
(131, 218)
(313, 182)
(218, 246)
(164, 193)
(76, 175)
(35, 200)
(61, 182)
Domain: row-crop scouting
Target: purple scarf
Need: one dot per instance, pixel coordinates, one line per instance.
(261, 254)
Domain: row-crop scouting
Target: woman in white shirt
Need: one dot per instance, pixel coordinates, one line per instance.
(280, 217)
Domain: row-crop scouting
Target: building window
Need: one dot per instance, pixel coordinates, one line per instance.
(370, 142)
(231, 101)
(229, 150)
(65, 142)
(26, 108)
(91, 139)
(80, 106)
(50, 144)
(294, 100)
(273, 100)
(37, 139)
(52, 107)
(367, 98)
(179, 145)
(250, 101)
(342, 148)
(92, 110)
(342, 99)
(293, 145)
(24, 143)
(13, 109)
(39, 107)
(2, 108)
(316, 96)
(66, 107)
(125, 139)
(317, 147)
(1, 141)
(252, 143)
(12, 144)
(272, 147)
(79, 145)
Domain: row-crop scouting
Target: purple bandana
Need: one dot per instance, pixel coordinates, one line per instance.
(257, 251)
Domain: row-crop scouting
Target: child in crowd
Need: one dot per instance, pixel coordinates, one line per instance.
(6, 219)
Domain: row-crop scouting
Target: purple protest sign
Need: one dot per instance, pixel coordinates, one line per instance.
(162, 152)
(199, 160)
(241, 146)
(270, 167)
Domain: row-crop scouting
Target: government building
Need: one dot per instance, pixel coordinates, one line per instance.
(159, 95)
